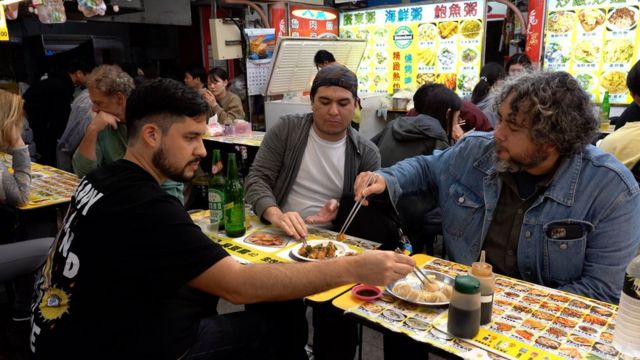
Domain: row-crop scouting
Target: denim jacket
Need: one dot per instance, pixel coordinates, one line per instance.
(591, 192)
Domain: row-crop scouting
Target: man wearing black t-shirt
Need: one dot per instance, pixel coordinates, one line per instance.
(131, 276)
(632, 112)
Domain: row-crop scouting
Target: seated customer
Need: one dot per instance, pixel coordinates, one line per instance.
(132, 277)
(306, 163)
(632, 112)
(222, 102)
(105, 138)
(624, 144)
(547, 206)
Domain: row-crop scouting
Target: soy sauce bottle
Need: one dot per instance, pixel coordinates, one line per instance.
(464, 309)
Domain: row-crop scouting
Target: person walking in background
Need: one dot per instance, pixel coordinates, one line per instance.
(517, 64)
(491, 77)
(222, 102)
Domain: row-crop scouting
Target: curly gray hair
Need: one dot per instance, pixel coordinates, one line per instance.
(555, 108)
(111, 79)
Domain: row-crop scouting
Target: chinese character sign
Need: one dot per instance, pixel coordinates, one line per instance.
(595, 41)
(306, 21)
(410, 45)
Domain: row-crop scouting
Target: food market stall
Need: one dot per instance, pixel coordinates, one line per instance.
(292, 74)
(595, 41)
(408, 46)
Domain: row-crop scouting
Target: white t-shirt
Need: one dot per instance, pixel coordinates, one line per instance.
(320, 177)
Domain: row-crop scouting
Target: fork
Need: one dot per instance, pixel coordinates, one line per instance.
(356, 207)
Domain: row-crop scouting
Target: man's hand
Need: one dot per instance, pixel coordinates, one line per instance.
(382, 267)
(101, 120)
(360, 188)
(326, 214)
(291, 222)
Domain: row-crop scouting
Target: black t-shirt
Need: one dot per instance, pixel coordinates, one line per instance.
(630, 114)
(118, 276)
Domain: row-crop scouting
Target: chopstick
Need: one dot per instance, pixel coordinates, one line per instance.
(355, 208)
(416, 271)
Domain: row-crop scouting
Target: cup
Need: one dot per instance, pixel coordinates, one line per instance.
(208, 227)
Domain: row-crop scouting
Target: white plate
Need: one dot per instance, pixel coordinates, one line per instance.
(341, 249)
(415, 283)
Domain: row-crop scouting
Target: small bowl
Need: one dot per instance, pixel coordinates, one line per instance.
(366, 292)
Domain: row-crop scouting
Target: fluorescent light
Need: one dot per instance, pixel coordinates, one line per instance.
(8, 2)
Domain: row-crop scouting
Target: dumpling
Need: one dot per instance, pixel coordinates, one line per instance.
(402, 289)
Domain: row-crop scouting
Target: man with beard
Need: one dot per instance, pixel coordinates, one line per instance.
(547, 206)
(105, 138)
(130, 276)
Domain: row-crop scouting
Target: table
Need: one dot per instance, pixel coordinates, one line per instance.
(529, 321)
(246, 252)
(253, 139)
(49, 185)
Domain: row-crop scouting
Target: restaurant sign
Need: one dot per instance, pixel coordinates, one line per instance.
(595, 41)
(408, 46)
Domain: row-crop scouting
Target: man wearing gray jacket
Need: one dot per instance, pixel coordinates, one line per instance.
(305, 163)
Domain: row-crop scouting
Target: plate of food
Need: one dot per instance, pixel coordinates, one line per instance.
(586, 81)
(586, 52)
(469, 55)
(268, 239)
(427, 32)
(437, 292)
(622, 18)
(447, 29)
(317, 250)
(470, 29)
(615, 82)
(618, 51)
(560, 22)
(590, 19)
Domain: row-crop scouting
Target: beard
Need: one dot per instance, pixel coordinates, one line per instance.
(531, 160)
(175, 173)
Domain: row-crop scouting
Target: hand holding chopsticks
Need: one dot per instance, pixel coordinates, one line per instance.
(417, 272)
(357, 205)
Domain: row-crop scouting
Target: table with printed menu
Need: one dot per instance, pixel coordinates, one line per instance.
(49, 185)
(253, 139)
(529, 321)
(264, 244)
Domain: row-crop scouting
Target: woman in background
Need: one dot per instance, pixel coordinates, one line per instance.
(14, 188)
(222, 102)
(491, 76)
(518, 64)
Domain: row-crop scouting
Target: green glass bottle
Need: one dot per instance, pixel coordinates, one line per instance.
(605, 108)
(234, 200)
(217, 187)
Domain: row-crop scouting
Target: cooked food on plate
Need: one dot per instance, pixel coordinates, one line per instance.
(393, 315)
(571, 352)
(555, 53)
(427, 32)
(318, 252)
(347, 34)
(372, 307)
(447, 29)
(607, 349)
(470, 29)
(614, 81)
(427, 57)
(380, 35)
(623, 18)
(534, 324)
(585, 81)
(595, 320)
(469, 55)
(448, 80)
(587, 329)
(618, 51)
(433, 292)
(557, 332)
(417, 324)
(590, 19)
(560, 298)
(525, 334)
(466, 82)
(500, 326)
(601, 311)
(581, 340)
(381, 57)
(446, 57)
(425, 78)
(548, 343)
(586, 51)
(565, 322)
(561, 21)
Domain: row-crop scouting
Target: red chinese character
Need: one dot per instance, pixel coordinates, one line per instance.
(454, 11)
(396, 55)
(396, 76)
(471, 9)
(440, 11)
(396, 66)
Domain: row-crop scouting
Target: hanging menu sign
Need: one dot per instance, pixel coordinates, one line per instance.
(411, 45)
(595, 41)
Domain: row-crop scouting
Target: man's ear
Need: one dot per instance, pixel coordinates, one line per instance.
(121, 99)
(150, 135)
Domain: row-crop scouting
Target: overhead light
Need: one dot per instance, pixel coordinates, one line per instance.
(8, 2)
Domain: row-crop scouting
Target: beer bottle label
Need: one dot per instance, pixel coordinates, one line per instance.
(216, 199)
(216, 167)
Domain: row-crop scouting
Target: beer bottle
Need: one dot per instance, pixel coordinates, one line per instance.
(217, 186)
(234, 200)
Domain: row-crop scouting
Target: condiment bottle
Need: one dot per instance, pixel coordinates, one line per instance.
(484, 273)
(625, 338)
(464, 309)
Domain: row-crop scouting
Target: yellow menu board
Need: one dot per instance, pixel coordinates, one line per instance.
(410, 45)
(594, 40)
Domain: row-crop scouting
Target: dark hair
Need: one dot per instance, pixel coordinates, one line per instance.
(164, 102)
(554, 107)
(434, 100)
(323, 56)
(79, 65)
(218, 72)
(489, 75)
(197, 71)
(633, 79)
(518, 58)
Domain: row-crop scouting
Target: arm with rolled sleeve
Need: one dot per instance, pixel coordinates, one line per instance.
(82, 166)
(610, 248)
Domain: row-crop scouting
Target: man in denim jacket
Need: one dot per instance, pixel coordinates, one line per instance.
(547, 206)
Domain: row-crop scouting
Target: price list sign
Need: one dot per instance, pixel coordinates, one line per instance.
(410, 45)
(594, 40)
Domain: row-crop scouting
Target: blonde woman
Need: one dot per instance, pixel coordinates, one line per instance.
(14, 187)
